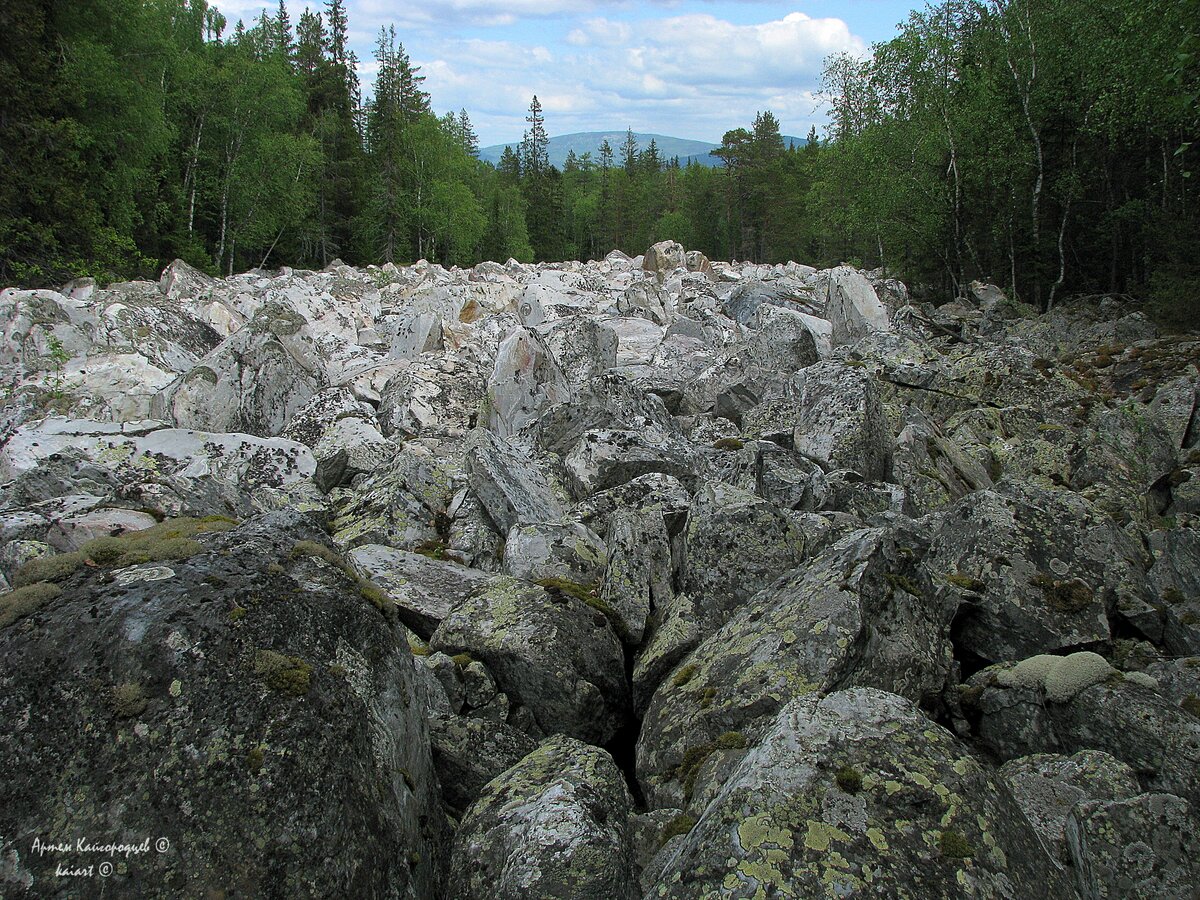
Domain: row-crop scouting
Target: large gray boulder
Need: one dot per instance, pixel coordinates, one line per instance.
(858, 614)
(858, 794)
(1047, 786)
(548, 650)
(553, 826)
(1038, 570)
(236, 700)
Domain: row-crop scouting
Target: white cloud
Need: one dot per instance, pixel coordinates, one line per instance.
(693, 75)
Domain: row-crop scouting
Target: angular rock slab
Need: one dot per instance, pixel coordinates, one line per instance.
(553, 826)
(1048, 785)
(852, 307)
(1037, 568)
(513, 487)
(242, 705)
(548, 651)
(423, 589)
(1143, 848)
(855, 615)
(468, 753)
(737, 544)
(858, 794)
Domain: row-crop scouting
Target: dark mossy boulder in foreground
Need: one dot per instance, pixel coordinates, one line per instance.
(246, 706)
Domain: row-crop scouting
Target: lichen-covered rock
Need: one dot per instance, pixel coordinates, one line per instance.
(512, 485)
(737, 544)
(859, 614)
(553, 826)
(172, 470)
(568, 551)
(858, 794)
(1141, 848)
(1037, 569)
(399, 505)
(832, 414)
(548, 650)
(423, 588)
(1048, 785)
(237, 707)
(470, 752)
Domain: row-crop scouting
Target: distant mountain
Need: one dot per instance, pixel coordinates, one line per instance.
(590, 141)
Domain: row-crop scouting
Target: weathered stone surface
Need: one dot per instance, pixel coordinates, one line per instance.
(859, 614)
(857, 793)
(423, 589)
(552, 826)
(526, 379)
(548, 651)
(1047, 786)
(399, 505)
(240, 715)
(1038, 570)
(1143, 848)
(470, 752)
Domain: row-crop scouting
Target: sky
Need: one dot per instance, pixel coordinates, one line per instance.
(685, 68)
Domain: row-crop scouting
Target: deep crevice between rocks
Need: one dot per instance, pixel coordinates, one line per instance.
(622, 747)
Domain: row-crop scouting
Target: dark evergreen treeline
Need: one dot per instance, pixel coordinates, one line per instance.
(1041, 144)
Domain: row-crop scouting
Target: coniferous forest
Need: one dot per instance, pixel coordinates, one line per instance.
(1045, 146)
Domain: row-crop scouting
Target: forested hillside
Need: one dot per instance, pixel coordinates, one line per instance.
(1044, 146)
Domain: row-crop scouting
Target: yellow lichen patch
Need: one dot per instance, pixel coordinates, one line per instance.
(892, 787)
(759, 830)
(923, 781)
(878, 841)
(820, 834)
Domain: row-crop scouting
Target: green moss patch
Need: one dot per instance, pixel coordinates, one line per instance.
(684, 675)
(1070, 596)
(848, 779)
(728, 443)
(24, 601)
(286, 674)
(966, 582)
(952, 845)
(681, 824)
(128, 700)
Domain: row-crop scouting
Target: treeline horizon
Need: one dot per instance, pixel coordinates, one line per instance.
(1043, 146)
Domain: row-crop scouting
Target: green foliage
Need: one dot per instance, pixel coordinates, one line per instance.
(1047, 147)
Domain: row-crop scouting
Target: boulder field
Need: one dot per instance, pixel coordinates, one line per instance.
(637, 578)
